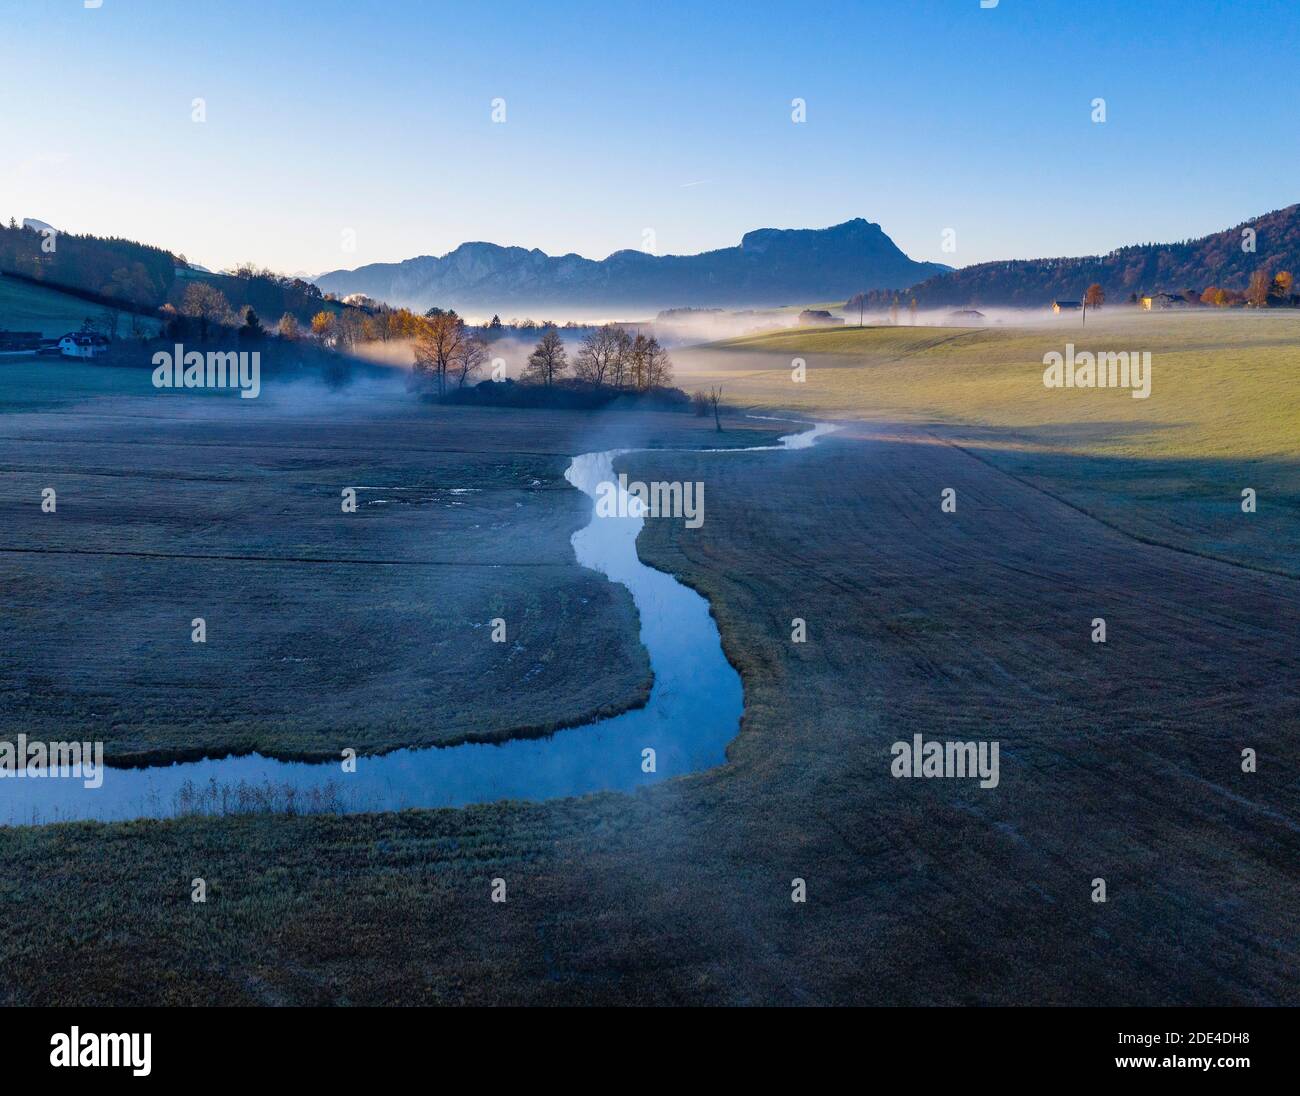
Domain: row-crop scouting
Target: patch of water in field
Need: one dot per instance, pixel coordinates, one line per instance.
(693, 711)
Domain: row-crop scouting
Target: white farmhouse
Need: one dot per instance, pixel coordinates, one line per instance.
(82, 345)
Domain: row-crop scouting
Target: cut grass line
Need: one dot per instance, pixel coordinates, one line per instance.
(1140, 538)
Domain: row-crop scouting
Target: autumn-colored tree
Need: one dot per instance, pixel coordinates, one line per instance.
(352, 327)
(1212, 296)
(440, 342)
(1095, 297)
(548, 360)
(288, 327)
(1282, 282)
(400, 323)
(1257, 291)
(322, 326)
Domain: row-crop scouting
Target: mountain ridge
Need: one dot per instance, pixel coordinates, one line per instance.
(770, 266)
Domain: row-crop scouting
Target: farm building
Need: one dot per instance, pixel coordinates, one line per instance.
(82, 345)
(818, 316)
(1066, 306)
(1155, 302)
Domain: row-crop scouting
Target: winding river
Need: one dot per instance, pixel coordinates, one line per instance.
(693, 711)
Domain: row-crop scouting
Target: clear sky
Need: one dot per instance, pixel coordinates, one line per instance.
(326, 115)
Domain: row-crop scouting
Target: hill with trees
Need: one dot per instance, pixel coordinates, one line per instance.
(125, 276)
(1226, 261)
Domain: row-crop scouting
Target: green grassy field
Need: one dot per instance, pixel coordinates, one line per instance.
(27, 307)
(1223, 414)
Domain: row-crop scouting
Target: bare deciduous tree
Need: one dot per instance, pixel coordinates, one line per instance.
(658, 366)
(548, 360)
(207, 304)
(595, 361)
(469, 358)
(620, 364)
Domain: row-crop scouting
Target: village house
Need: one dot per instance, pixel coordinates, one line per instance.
(818, 316)
(1156, 302)
(82, 345)
(1066, 306)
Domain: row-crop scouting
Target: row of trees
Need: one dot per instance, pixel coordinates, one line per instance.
(447, 350)
(1263, 291)
(611, 357)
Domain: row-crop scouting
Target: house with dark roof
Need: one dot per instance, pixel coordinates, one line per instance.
(818, 316)
(1066, 306)
(82, 344)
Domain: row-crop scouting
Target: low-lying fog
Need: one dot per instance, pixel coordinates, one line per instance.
(686, 328)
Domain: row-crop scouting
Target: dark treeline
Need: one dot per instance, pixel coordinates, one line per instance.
(137, 278)
(1238, 266)
(135, 274)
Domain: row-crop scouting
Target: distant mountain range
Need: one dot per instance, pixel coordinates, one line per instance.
(1218, 260)
(770, 267)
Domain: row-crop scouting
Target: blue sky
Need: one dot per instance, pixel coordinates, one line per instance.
(375, 117)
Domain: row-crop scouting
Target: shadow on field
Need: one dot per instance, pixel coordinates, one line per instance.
(1191, 505)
